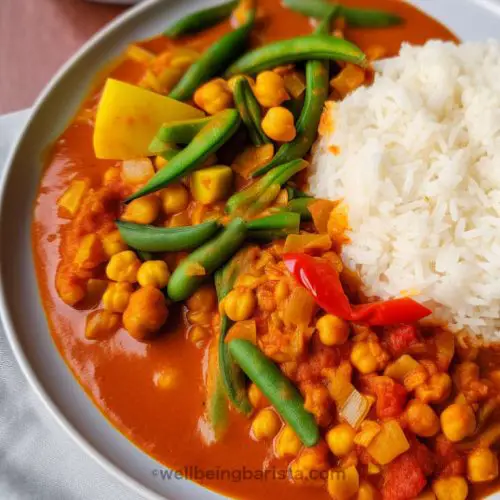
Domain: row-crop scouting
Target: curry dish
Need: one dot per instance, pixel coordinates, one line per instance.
(195, 288)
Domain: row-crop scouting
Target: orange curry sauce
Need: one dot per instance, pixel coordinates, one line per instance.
(119, 373)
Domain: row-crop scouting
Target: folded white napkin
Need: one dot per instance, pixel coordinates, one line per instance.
(38, 460)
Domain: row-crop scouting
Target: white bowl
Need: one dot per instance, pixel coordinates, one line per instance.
(20, 307)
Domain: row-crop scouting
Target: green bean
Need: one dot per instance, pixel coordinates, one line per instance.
(361, 18)
(300, 206)
(214, 60)
(210, 257)
(182, 132)
(161, 239)
(201, 20)
(257, 193)
(317, 87)
(231, 374)
(302, 48)
(144, 256)
(287, 221)
(165, 150)
(212, 136)
(249, 110)
(293, 193)
(282, 394)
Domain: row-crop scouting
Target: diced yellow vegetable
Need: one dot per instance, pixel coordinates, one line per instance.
(211, 184)
(128, 117)
(403, 366)
(252, 158)
(139, 54)
(389, 443)
(307, 242)
(343, 484)
(70, 201)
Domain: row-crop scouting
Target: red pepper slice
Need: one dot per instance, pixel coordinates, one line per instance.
(320, 278)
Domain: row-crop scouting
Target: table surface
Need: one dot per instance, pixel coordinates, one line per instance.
(37, 37)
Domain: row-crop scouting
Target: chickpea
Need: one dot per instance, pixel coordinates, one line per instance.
(123, 266)
(116, 296)
(71, 290)
(240, 304)
(332, 330)
(255, 396)
(154, 273)
(232, 81)
(265, 425)
(279, 125)
(458, 422)
(367, 491)
(175, 198)
(450, 488)
(436, 390)
(340, 439)
(214, 96)
(307, 466)
(113, 243)
(363, 359)
(204, 299)
(482, 466)
(198, 334)
(146, 312)
(203, 318)
(101, 324)
(270, 89)
(422, 419)
(160, 162)
(287, 443)
(343, 484)
(143, 210)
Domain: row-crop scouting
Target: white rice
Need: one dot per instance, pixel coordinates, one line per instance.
(419, 168)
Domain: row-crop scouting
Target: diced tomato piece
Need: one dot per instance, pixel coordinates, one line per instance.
(424, 457)
(404, 479)
(448, 459)
(391, 397)
(399, 338)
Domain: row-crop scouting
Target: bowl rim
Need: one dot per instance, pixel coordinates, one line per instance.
(5, 314)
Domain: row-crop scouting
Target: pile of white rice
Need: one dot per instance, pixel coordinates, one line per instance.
(419, 168)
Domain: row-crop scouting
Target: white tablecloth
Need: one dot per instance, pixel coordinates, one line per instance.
(38, 460)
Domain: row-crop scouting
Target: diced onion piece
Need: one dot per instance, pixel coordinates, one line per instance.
(71, 200)
(355, 409)
(246, 330)
(307, 243)
(300, 308)
(137, 171)
(138, 54)
(369, 430)
(320, 212)
(445, 348)
(294, 84)
(389, 443)
(252, 158)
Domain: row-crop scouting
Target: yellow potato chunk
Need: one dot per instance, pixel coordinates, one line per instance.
(70, 201)
(389, 443)
(128, 117)
(210, 185)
